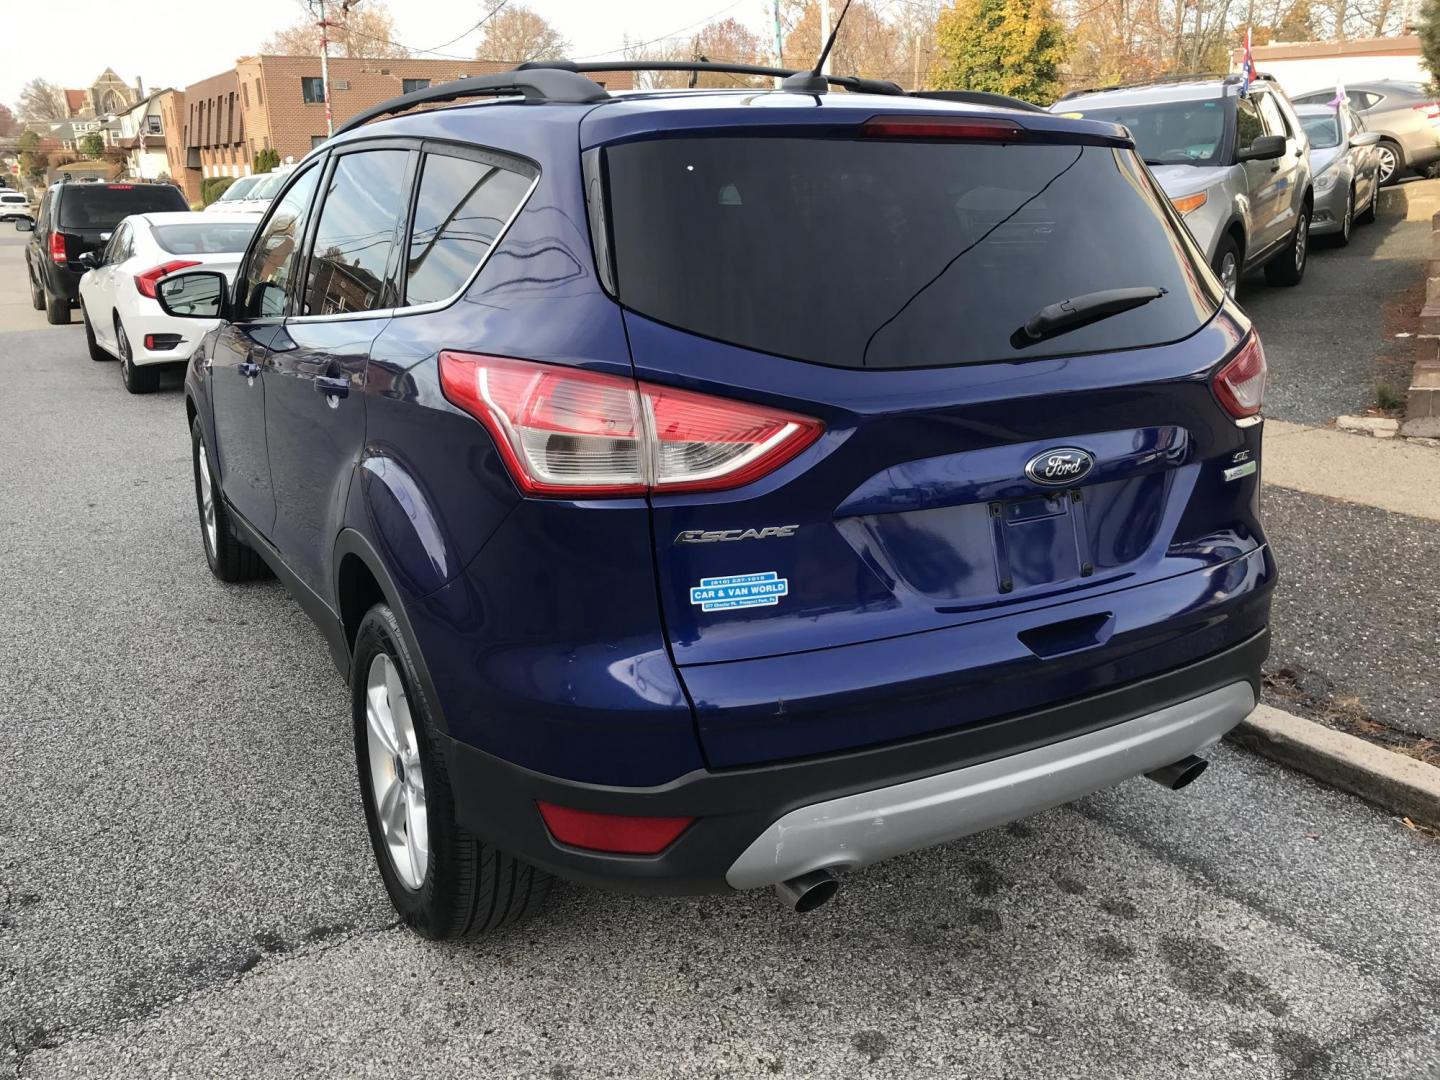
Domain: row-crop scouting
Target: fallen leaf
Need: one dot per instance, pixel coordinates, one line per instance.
(1409, 824)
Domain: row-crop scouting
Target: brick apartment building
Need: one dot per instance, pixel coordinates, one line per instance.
(276, 103)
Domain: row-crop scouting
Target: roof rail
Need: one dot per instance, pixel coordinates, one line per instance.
(541, 84)
(979, 97)
(1160, 80)
(853, 83)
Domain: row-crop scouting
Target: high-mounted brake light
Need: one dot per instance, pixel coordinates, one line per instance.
(150, 279)
(931, 127)
(120, 187)
(618, 833)
(1240, 384)
(564, 432)
(57, 247)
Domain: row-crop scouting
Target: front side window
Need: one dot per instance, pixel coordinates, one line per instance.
(1248, 125)
(364, 205)
(312, 90)
(462, 206)
(1272, 116)
(938, 253)
(270, 274)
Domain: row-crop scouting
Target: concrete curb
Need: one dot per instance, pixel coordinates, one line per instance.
(1402, 785)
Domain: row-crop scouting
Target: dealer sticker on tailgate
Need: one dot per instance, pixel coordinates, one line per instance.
(739, 591)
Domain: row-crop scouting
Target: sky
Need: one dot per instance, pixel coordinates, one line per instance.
(70, 42)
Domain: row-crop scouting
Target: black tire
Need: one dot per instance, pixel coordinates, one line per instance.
(57, 310)
(229, 558)
(469, 887)
(1227, 261)
(1391, 149)
(138, 379)
(1367, 216)
(96, 352)
(37, 294)
(1288, 267)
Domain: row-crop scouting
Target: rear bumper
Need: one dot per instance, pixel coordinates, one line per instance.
(930, 789)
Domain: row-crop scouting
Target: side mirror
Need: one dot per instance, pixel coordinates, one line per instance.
(1365, 138)
(200, 295)
(89, 259)
(1265, 148)
(24, 224)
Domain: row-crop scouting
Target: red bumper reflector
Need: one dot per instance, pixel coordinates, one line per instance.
(617, 833)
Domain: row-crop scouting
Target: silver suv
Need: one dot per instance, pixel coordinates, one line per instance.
(1236, 167)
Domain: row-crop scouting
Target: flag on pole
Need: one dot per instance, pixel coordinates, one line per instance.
(1247, 67)
(1340, 98)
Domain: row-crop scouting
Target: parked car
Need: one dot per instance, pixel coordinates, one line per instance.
(234, 194)
(117, 291)
(1236, 167)
(1344, 168)
(13, 205)
(75, 218)
(660, 555)
(257, 198)
(1405, 116)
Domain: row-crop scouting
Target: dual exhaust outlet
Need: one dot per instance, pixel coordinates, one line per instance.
(808, 891)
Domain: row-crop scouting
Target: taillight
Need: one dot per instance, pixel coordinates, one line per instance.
(566, 432)
(619, 833)
(148, 281)
(931, 127)
(1240, 384)
(1431, 109)
(57, 247)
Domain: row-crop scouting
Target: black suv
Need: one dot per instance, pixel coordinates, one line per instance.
(76, 218)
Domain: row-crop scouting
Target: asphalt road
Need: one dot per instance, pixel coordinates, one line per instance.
(186, 889)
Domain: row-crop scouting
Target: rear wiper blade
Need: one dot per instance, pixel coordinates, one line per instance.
(1078, 311)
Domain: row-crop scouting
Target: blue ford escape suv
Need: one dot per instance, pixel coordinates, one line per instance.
(708, 490)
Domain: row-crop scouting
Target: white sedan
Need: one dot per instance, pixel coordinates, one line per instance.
(117, 295)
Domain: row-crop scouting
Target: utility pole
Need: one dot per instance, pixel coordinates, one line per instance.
(779, 44)
(325, 69)
(825, 33)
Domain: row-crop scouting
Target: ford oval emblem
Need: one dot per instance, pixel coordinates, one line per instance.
(1060, 466)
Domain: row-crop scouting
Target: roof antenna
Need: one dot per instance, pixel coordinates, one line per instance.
(814, 82)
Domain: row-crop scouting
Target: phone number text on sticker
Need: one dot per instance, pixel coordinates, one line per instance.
(739, 591)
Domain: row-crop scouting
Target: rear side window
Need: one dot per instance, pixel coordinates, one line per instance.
(202, 239)
(858, 253)
(101, 206)
(460, 211)
(364, 204)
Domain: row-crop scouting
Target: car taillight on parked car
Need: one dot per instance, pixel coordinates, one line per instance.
(57, 247)
(150, 279)
(1431, 109)
(565, 432)
(1240, 384)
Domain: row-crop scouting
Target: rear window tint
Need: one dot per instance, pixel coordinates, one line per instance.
(100, 207)
(462, 206)
(203, 239)
(895, 255)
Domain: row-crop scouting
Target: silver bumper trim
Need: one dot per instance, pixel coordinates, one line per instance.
(868, 826)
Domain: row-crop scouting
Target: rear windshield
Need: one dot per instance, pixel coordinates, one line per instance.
(202, 239)
(101, 207)
(894, 255)
(1322, 131)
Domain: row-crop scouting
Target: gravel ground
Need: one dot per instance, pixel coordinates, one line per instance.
(185, 886)
(1331, 340)
(1357, 611)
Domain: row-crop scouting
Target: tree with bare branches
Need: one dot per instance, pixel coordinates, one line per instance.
(41, 100)
(516, 34)
(364, 31)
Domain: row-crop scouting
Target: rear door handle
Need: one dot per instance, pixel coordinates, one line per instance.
(337, 385)
(248, 369)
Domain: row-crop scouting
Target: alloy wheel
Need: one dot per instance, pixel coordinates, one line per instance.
(1349, 218)
(1388, 164)
(124, 343)
(396, 779)
(1302, 234)
(207, 498)
(1230, 274)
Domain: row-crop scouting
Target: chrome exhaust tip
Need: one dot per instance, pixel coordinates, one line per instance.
(1179, 774)
(808, 891)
